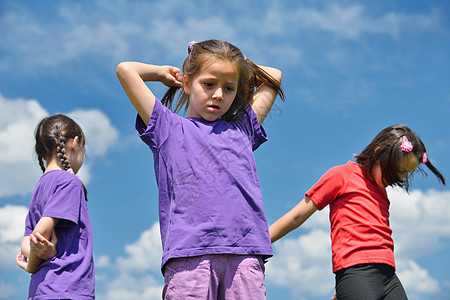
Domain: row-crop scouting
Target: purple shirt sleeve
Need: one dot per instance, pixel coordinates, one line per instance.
(64, 203)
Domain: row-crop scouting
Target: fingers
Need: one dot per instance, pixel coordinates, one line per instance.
(176, 74)
(19, 256)
(38, 243)
(21, 261)
(42, 247)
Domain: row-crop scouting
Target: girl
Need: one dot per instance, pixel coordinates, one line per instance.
(58, 206)
(213, 228)
(361, 242)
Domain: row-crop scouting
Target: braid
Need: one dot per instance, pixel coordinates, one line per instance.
(61, 152)
(41, 163)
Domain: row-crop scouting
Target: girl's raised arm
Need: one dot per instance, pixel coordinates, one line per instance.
(264, 96)
(293, 219)
(132, 76)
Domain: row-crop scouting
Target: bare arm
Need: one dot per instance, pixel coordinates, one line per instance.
(264, 96)
(293, 219)
(30, 263)
(132, 76)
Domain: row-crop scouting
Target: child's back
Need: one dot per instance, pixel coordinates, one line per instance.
(60, 194)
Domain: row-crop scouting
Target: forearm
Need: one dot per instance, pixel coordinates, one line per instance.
(34, 262)
(283, 226)
(25, 246)
(266, 94)
(45, 228)
(293, 219)
(273, 72)
(146, 72)
(31, 261)
(132, 77)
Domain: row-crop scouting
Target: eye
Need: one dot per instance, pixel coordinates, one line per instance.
(208, 84)
(229, 89)
(402, 172)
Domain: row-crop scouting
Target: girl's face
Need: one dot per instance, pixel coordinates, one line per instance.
(212, 91)
(407, 165)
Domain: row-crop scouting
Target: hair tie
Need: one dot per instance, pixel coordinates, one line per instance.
(406, 145)
(424, 158)
(245, 57)
(191, 44)
(70, 170)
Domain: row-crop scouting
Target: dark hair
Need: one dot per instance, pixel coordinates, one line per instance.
(51, 135)
(249, 76)
(386, 149)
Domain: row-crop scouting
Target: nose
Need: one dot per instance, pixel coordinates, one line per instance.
(218, 94)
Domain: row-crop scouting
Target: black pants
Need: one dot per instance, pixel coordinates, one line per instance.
(369, 282)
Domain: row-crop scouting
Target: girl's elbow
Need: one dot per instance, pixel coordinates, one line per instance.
(277, 74)
(121, 69)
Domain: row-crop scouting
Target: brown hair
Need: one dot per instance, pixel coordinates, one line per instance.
(386, 149)
(249, 76)
(51, 136)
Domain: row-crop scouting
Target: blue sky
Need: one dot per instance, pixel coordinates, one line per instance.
(350, 69)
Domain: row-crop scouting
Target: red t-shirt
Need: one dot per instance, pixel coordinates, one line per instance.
(359, 216)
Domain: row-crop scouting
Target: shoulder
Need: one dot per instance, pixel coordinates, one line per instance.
(341, 171)
(60, 178)
(248, 123)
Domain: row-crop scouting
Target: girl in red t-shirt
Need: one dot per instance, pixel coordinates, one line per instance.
(361, 242)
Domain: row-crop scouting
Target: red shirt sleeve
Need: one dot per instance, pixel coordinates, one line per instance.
(328, 187)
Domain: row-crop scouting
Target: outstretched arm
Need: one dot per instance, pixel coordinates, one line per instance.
(264, 96)
(293, 219)
(132, 76)
(30, 260)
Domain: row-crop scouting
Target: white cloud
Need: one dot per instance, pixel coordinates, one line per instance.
(101, 135)
(132, 287)
(352, 21)
(143, 28)
(417, 281)
(420, 221)
(18, 119)
(137, 274)
(19, 170)
(303, 264)
(12, 228)
(143, 255)
(102, 261)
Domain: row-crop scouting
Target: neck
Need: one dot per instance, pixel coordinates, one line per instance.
(53, 164)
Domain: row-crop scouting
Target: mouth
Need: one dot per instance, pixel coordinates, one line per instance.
(213, 107)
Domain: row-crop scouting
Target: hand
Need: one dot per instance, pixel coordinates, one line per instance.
(43, 247)
(334, 296)
(22, 261)
(171, 76)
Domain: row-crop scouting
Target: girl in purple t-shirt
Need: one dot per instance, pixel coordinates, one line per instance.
(57, 246)
(213, 228)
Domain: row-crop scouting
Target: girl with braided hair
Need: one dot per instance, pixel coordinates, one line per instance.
(57, 246)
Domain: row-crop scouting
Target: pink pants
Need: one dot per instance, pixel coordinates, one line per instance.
(219, 276)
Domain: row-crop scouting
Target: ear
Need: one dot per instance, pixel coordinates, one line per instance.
(186, 85)
(74, 144)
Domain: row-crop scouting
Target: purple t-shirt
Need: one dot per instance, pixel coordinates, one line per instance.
(210, 199)
(70, 274)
